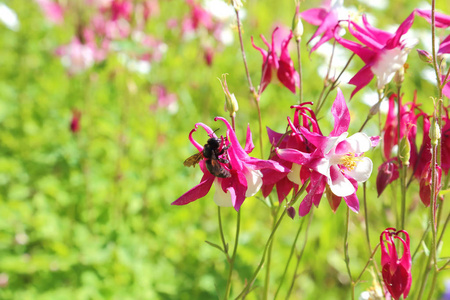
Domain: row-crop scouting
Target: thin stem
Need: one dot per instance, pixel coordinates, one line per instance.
(367, 264)
(233, 256)
(260, 129)
(433, 284)
(420, 242)
(299, 257)
(290, 257)
(269, 256)
(300, 92)
(347, 257)
(366, 218)
(443, 228)
(222, 236)
(250, 283)
(250, 85)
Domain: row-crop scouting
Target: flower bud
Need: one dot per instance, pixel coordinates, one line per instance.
(237, 4)
(297, 25)
(291, 212)
(231, 104)
(426, 183)
(435, 133)
(425, 56)
(387, 173)
(399, 76)
(374, 109)
(405, 150)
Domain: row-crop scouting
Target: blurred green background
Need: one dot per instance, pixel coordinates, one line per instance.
(87, 215)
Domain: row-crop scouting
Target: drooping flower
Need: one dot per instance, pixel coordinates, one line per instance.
(326, 18)
(396, 270)
(426, 183)
(277, 60)
(387, 173)
(383, 53)
(245, 176)
(337, 163)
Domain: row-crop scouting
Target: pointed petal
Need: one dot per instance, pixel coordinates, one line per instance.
(352, 202)
(339, 184)
(341, 114)
(361, 79)
(197, 192)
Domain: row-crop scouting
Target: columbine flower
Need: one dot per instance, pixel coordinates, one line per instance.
(245, 172)
(387, 173)
(337, 163)
(396, 271)
(284, 183)
(277, 59)
(384, 53)
(426, 183)
(327, 18)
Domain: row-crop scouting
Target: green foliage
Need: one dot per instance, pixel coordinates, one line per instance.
(88, 215)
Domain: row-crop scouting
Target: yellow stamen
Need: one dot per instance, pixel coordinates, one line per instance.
(349, 161)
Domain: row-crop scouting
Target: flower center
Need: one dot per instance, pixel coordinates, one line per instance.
(349, 161)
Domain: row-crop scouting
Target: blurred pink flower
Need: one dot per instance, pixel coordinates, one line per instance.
(383, 53)
(245, 177)
(396, 271)
(76, 57)
(164, 99)
(52, 10)
(326, 18)
(277, 59)
(337, 163)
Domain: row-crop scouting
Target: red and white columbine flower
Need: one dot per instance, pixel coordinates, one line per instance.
(246, 177)
(384, 53)
(337, 163)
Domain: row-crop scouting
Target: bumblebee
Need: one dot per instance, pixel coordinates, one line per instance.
(211, 152)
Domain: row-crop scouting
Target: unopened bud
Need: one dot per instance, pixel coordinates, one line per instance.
(231, 104)
(435, 133)
(425, 56)
(405, 150)
(374, 109)
(237, 4)
(297, 25)
(291, 212)
(399, 76)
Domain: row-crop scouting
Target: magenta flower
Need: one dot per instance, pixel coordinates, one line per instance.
(387, 173)
(326, 18)
(284, 183)
(245, 176)
(383, 53)
(396, 271)
(337, 163)
(75, 123)
(277, 59)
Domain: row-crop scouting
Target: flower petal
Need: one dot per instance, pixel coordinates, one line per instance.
(359, 142)
(339, 184)
(197, 192)
(362, 170)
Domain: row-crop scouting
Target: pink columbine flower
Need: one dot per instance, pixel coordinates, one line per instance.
(52, 10)
(337, 163)
(326, 18)
(76, 57)
(277, 59)
(75, 123)
(384, 53)
(396, 271)
(245, 178)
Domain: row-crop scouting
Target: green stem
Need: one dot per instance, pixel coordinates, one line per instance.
(290, 257)
(233, 256)
(249, 80)
(299, 257)
(269, 256)
(347, 257)
(366, 218)
(300, 92)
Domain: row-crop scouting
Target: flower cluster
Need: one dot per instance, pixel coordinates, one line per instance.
(334, 163)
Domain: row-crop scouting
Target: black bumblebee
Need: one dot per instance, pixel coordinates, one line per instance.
(211, 152)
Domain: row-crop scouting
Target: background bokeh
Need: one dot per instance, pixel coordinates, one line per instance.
(87, 214)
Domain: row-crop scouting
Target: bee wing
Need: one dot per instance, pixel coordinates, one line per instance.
(193, 160)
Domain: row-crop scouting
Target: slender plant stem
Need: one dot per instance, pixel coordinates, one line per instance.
(367, 264)
(289, 259)
(260, 129)
(233, 256)
(269, 255)
(419, 245)
(222, 236)
(300, 87)
(250, 85)
(433, 284)
(347, 257)
(299, 257)
(366, 217)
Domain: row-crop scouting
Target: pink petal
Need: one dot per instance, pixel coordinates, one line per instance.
(341, 114)
(352, 202)
(361, 79)
(197, 192)
(314, 16)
